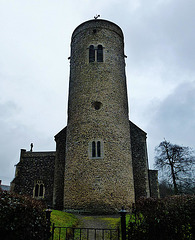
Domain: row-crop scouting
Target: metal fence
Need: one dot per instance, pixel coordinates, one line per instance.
(68, 233)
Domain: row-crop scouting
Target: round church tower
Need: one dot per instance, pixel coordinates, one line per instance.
(98, 163)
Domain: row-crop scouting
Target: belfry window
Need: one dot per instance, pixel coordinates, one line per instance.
(39, 189)
(99, 53)
(96, 149)
(95, 53)
(91, 54)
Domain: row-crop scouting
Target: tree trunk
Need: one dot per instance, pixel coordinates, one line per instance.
(174, 179)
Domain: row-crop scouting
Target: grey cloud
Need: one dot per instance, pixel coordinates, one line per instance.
(161, 33)
(177, 111)
(174, 118)
(159, 43)
(15, 136)
(7, 110)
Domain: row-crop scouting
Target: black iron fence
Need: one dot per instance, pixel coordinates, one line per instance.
(68, 233)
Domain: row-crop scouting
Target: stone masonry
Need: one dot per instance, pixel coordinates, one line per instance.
(140, 162)
(154, 187)
(58, 190)
(105, 182)
(33, 167)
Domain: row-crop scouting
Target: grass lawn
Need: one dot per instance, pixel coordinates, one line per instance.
(113, 223)
(62, 219)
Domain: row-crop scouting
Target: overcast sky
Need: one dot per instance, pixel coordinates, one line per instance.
(34, 69)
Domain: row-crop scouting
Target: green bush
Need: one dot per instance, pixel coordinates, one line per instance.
(21, 217)
(169, 218)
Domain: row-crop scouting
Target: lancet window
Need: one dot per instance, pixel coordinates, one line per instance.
(96, 149)
(39, 189)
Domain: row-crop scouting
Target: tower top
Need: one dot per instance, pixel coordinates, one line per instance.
(98, 23)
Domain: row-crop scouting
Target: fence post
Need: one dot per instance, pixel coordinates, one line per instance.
(123, 223)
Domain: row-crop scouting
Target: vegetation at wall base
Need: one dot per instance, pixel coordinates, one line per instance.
(22, 217)
(169, 218)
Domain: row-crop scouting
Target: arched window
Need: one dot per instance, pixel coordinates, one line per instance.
(91, 53)
(99, 53)
(39, 189)
(96, 149)
(96, 53)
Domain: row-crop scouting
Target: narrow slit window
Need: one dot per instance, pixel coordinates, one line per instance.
(93, 149)
(99, 53)
(98, 149)
(91, 53)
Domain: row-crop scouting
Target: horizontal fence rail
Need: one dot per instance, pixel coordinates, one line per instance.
(68, 233)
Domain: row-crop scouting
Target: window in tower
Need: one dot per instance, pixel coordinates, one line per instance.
(93, 149)
(99, 53)
(96, 53)
(39, 190)
(96, 149)
(91, 53)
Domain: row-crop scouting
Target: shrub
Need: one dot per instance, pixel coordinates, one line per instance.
(21, 217)
(168, 218)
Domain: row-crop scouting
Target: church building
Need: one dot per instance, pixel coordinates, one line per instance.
(100, 163)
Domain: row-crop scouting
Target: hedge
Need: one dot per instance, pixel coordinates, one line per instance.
(21, 217)
(169, 218)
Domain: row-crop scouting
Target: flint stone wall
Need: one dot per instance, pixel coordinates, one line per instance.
(154, 186)
(58, 195)
(140, 161)
(105, 183)
(35, 166)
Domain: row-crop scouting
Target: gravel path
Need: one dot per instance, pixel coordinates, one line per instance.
(99, 222)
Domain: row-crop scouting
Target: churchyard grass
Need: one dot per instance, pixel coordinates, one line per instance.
(62, 219)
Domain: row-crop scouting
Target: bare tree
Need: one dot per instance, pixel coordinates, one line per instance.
(176, 162)
(165, 188)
